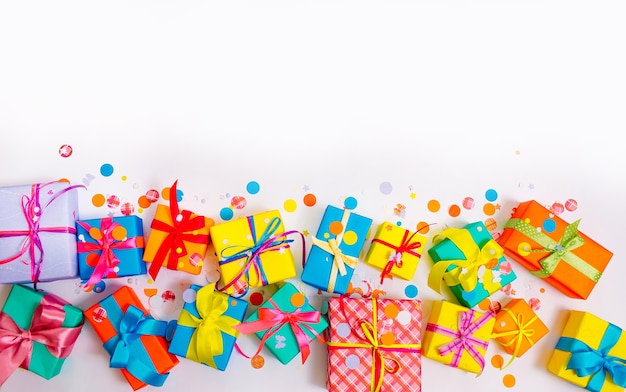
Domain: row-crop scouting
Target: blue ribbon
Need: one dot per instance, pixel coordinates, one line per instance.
(126, 349)
(587, 361)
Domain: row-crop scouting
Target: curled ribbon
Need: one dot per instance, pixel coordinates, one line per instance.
(133, 325)
(271, 320)
(16, 344)
(521, 332)
(33, 211)
(340, 260)
(463, 339)
(395, 259)
(107, 260)
(269, 241)
(587, 361)
(206, 341)
(557, 250)
(367, 332)
(465, 272)
(182, 229)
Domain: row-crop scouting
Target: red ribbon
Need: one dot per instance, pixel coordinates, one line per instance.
(107, 260)
(273, 319)
(406, 246)
(180, 231)
(16, 344)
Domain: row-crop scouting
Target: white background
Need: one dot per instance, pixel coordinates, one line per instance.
(443, 99)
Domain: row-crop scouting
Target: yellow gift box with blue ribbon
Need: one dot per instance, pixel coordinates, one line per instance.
(590, 353)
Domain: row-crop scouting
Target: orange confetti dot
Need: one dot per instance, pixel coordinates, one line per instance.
(143, 202)
(434, 205)
(508, 380)
(119, 233)
(388, 338)
(165, 193)
(484, 304)
(92, 259)
(64, 180)
(150, 292)
(257, 361)
(489, 209)
(309, 200)
(497, 361)
(98, 200)
(542, 290)
(454, 210)
(422, 228)
(297, 300)
(492, 263)
(335, 227)
(391, 311)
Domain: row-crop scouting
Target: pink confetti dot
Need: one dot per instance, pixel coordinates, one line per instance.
(113, 201)
(534, 303)
(468, 203)
(557, 208)
(238, 202)
(571, 205)
(152, 195)
(65, 150)
(127, 209)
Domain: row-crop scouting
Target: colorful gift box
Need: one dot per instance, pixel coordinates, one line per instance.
(336, 250)
(37, 332)
(134, 340)
(517, 328)
(38, 233)
(253, 251)
(178, 239)
(470, 262)
(554, 250)
(374, 345)
(458, 336)
(396, 251)
(110, 248)
(590, 353)
(286, 324)
(204, 332)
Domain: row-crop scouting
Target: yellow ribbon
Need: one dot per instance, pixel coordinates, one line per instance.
(340, 261)
(522, 331)
(465, 272)
(206, 341)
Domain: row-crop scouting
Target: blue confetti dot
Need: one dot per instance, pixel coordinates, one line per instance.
(386, 188)
(549, 225)
(226, 213)
(253, 187)
(179, 195)
(398, 223)
(343, 330)
(411, 291)
(491, 195)
(106, 169)
(353, 362)
(99, 287)
(350, 203)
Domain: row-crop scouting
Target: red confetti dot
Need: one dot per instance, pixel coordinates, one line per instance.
(454, 211)
(113, 201)
(238, 202)
(168, 295)
(256, 299)
(65, 150)
(127, 209)
(571, 205)
(309, 200)
(152, 195)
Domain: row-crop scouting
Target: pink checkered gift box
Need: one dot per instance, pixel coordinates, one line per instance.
(374, 345)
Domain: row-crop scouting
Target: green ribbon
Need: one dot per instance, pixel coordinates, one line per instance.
(558, 251)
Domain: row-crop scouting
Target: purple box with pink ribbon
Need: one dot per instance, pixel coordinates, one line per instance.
(38, 232)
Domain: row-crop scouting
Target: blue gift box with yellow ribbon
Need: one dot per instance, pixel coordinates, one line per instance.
(204, 332)
(336, 250)
(470, 262)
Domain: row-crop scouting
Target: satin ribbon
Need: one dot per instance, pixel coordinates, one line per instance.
(271, 320)
(463, 339)
(33, 210)
(465, 272)
(340, 260)
(107, 260)
(124, 346)
(395, 259)
(521, 332)
(587, 361)
(182, 229)
(206, 341)
(16, 344)
(268, 241)
(558, 251)
(367, 333)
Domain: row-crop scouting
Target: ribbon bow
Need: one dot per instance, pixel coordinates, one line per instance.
(395, 258)
(463, 339)
(586, 361)
(465, 271)
(206, 341)
(182, 229)
(273, 319)
(133, 325)
(16, 344)
(33, 211)
(521, 332)
(107, 260)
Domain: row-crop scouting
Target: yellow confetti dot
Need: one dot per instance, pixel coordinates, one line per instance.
(180, 265)
(124, 178)
(150, 281)
(350, 237)
(290, 205)
(523, 248)
(200, 263)
(508, 380)
(179, 250)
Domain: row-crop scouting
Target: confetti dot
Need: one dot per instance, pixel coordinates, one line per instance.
(388, 338)
(238, 202)
(422, 227)
(165, 192)
(549, 225)
(124, 178)
(335, 228)
(535, 303)
(484, 304)
(150, 292)
(385, 188)
(495, 306)
(343, 330)
(189, 296)
(168, 295)
(298, 300)
(195, 259)
(542, 290)
(127, 209)
(179, 195)
(411, 291)
(491, 224)
(350, 203)
(491, 195)
(143, 202)
(523, 248)
(454, 210)
(517, 152)
(256, 299)
(257, 361)
(106, 169)
(350, 237)
(226, 213)
(113, 201)
(497, 361)
(353, 361)
(571, 205)
(92, 259)
(557, 208)
(253, 187)
(508, 380)
(404, 317)
(309, 200)
(505, 268)
(65, 150)
(64, 180)
(433, 205)
(489, 209)
(152, 195)
(290, 205)
(119, 233)
(468, 203)
(391, 311)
